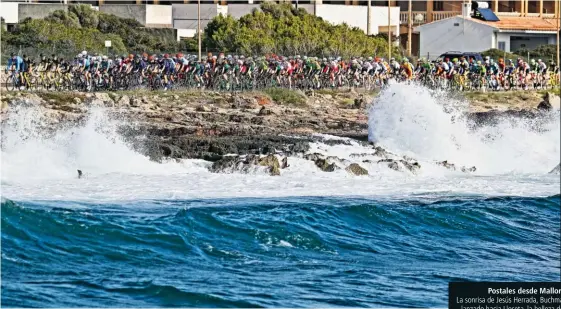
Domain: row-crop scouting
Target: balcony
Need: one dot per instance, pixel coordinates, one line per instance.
(420, 17)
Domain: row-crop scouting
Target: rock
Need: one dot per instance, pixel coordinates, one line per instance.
(381, 152)
(360, 155)
(77, 100)
(313, 156)
(272, 162)
(356, 170)
(359, 102)
(284, 162)
(202, 108)
(102, 96)
(398, 165)
(4, 106)
(545, 105)
(126, 101)
(265, 111)
(556, 170)
(175, 97)
(135, 102)
(447, 165)
(413, 167)
(452, 167)
(226, 164)
(324, 165)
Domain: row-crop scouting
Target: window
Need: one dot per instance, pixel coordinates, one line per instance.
(438, 5)
(502, 46)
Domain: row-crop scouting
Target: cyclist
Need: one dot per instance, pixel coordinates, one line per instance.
(16, 63)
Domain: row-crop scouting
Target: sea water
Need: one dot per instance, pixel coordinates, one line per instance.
(135, 233)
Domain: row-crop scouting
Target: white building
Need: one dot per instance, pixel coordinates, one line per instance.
(468, 34)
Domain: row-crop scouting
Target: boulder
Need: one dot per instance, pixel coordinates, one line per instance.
(124, 101)
(356, 169)
(313, 156)
(324, 165)
(398, 165)
(272, 162)
(284, 162)
(453, 167)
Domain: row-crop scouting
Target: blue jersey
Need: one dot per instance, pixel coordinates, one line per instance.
(18, 63)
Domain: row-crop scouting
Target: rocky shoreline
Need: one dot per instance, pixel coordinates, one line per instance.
(240, 131)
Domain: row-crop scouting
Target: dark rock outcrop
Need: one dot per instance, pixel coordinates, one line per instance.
(356, 169)
(325, 166)
(453, 167)
(399, 165)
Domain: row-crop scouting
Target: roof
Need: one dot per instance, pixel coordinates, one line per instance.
(521, 23)
(511, 23)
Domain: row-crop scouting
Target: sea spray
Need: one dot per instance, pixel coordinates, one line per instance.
(35, 147)
(432, 126)
(40, 160)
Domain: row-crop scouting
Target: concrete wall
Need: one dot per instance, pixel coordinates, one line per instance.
(158, 16)
(356, 16)
(529, 41)
(36, 10)
(137, 12)
(9, 11)
(454, 34)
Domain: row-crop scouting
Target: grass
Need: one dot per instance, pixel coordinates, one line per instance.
(286, 96)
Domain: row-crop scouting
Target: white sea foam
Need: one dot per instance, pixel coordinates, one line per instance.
(407, 120)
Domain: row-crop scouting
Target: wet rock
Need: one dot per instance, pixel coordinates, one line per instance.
(399, 165)
(313, 156)
(244, 164)
(447, 165)
(556, 170)
(272, 162)
(360, 155)
(284, 162)
(367, 161)
(381, 152)
(356, 169)
(453, 167)
(325, 166)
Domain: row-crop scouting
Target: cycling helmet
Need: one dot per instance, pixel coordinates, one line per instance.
(446, 59)
(539, 60)
(455, 60)
(405, 60)
(479, 62)
(532, 61)
(166, 56)
(369, 58)
(104, 57)
(84, 53)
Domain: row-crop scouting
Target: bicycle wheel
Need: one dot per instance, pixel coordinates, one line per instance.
(11, 83)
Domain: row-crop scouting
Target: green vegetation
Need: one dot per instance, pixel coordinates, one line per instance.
(545, 52)
(282, 29)
(286, 96)
(83, 28)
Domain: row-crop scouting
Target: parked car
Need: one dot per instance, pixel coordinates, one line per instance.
(457, 54)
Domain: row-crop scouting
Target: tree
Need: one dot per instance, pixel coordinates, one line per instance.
(282, 29)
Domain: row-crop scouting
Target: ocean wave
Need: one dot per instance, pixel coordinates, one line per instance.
(272, 252)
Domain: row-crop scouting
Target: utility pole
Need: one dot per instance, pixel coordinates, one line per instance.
(368, 17)
(199, 27)
(389, 33)
(410, 28)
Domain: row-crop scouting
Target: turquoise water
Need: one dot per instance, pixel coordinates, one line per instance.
(271, 252)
